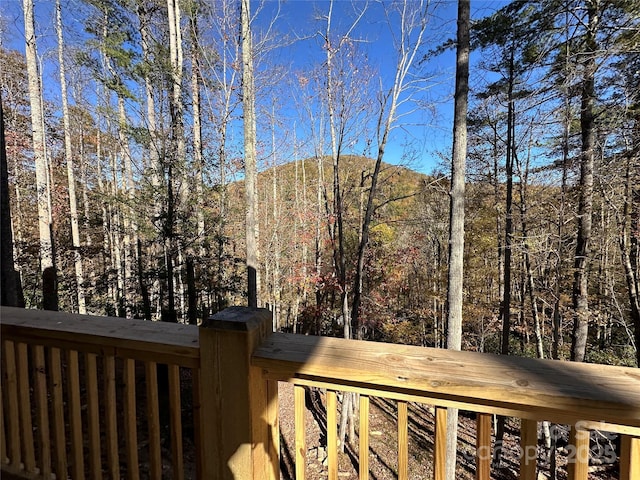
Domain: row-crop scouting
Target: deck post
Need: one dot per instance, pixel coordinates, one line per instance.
(238, 408)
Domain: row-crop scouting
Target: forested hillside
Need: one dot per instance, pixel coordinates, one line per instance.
(127, 187)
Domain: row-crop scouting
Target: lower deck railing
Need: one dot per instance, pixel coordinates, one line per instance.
(96, 397)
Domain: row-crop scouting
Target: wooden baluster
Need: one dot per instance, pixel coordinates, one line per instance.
(274, 428)
(578, 467)
(24, 403)
(130, 428)
(528, 449)
(57, 411)
(440, 444)
(93, 415)
(301, 448)
(197, 419)
(15, 458)
(176, 422)
(111, 424)
(153, 420)
(332, 434)
(483, 446)
(403, 441)
(629, 458)
(42, 409)
(75, 415)
(364, 437)
(3, 435)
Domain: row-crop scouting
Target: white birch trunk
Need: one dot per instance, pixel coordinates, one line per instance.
(180, 188)
(68, 153)
(42, 174)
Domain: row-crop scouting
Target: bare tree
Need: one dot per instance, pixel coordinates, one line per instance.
(337, 128)
(413, 17)
(68, 153)
(196, 81)
(224, 102)
(47, 264)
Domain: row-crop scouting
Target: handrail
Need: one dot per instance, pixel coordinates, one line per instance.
(119, 337)
(585, 396)
(103, 364)
(565, 392)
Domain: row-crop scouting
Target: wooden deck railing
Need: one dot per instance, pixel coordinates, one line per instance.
(95, 397)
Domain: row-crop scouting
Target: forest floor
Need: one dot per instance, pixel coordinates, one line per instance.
(383, 444)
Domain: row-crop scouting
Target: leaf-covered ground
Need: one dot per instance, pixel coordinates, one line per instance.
(383, 444)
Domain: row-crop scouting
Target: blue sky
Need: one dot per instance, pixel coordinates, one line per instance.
(428, 131)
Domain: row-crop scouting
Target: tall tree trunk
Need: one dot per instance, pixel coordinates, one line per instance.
(557, 315)
(116, 242)
(529, 283)
(506, 299)
(157, 171)
(10, 284)
(68, 153)
(198, 167)
(16, 220)
(585, 206)
(251, 174)
(85, 192)
(49, 276)
(197, 130)
(498, 201)
(336, 229)
(628, 241)
(144, 290)
(318, 238)
(275, 216)
(169, 314)
(456, 218)
(230, 56)
(176, 181)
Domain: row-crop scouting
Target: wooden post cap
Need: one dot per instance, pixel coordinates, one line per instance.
(242, 319)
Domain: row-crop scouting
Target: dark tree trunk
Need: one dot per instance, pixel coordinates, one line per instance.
(506, 299)
(169, 314)
(192, 294)
(10, 284)
(508, 241)
(585, 206)
(144, 290)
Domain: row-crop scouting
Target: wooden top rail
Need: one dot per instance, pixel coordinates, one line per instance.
(170, 343)
(564, 392)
